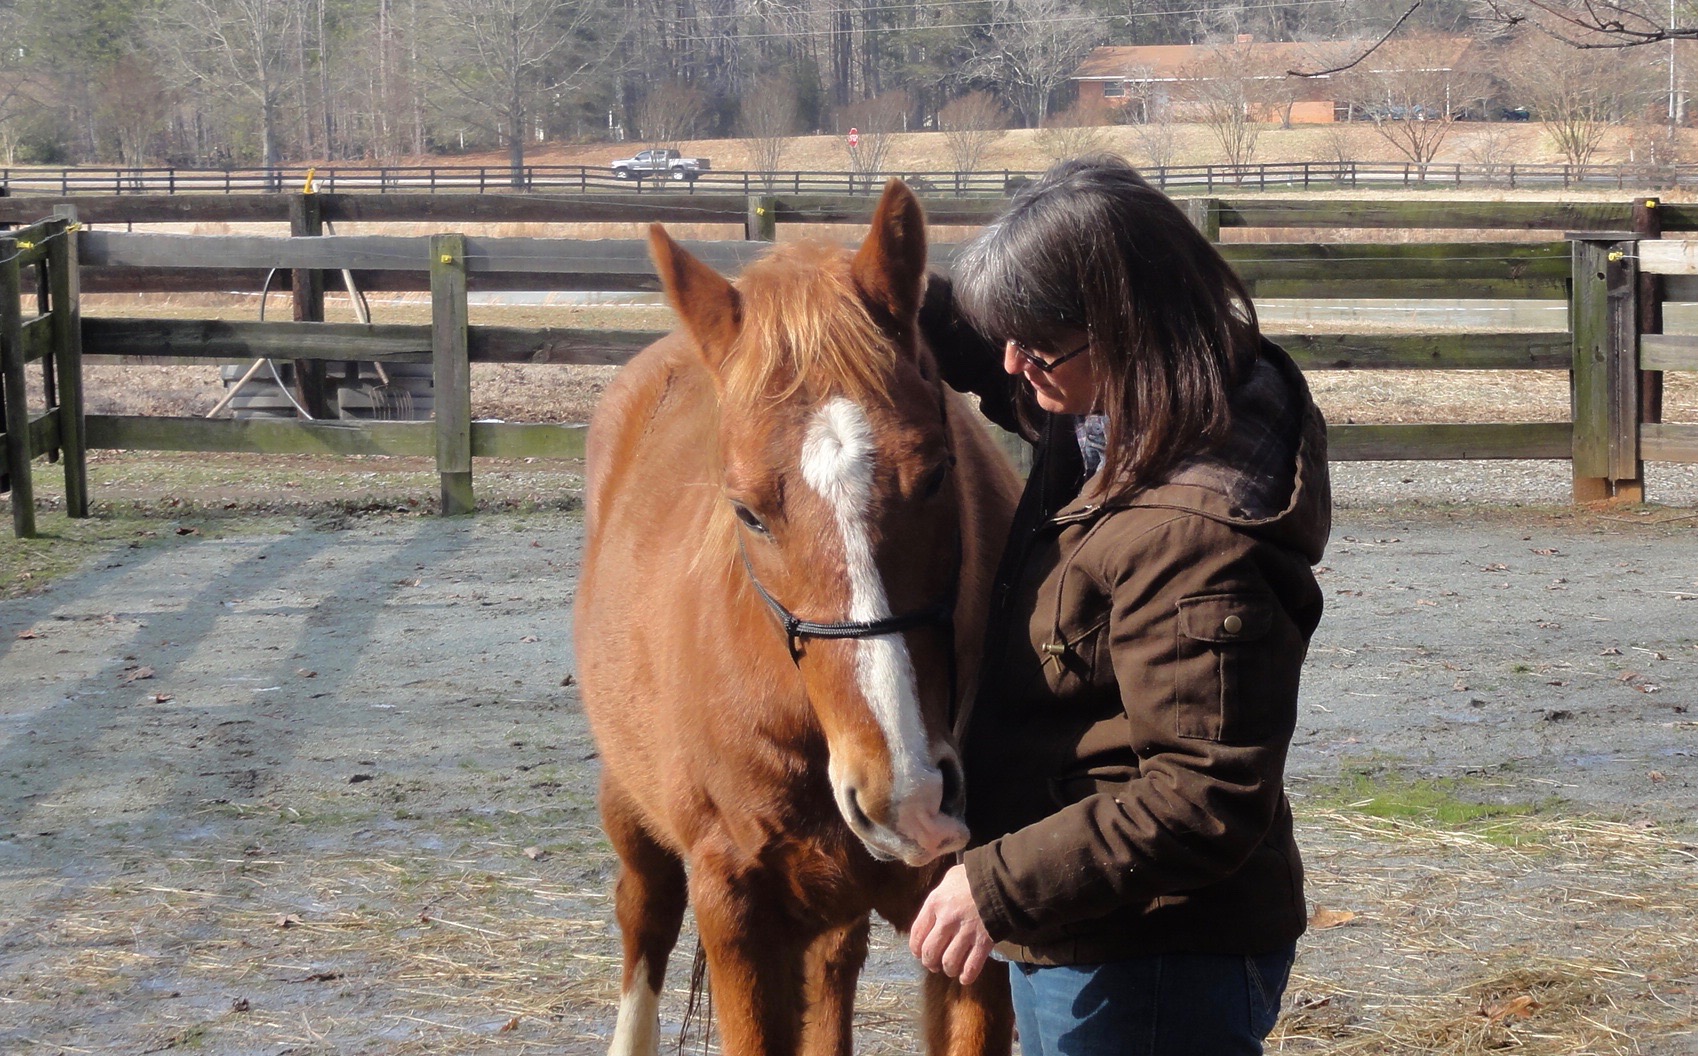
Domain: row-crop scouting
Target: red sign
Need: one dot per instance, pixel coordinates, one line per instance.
(854, 137)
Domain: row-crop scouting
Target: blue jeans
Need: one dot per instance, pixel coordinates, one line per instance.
(1177, 1004)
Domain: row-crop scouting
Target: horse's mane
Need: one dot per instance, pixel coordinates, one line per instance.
(805, 328)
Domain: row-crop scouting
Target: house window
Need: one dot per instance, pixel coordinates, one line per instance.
(1114, 89)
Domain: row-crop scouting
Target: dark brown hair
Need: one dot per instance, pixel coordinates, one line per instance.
(1091, 246)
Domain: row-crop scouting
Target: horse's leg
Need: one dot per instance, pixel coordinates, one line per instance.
(649, 901)
(834, 964)
(755, 954)
(976, 1020)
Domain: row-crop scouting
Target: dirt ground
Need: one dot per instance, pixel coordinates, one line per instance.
(315, 779)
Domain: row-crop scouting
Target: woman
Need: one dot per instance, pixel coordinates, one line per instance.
(1125, 750)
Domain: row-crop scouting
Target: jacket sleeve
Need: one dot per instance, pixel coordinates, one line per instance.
(1207, 662)
(968, 360)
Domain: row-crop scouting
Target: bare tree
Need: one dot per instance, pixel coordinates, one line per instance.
(1653, 152)
(768, 119)
(134, 102)
(876, 121)
(1221, 86)
(669, 112)
(1033, 48)
(1491, 149)
(240, 49)
(1412, 93)
(1071, 134)
(1579, 94)
(508, 58)
(970, 124)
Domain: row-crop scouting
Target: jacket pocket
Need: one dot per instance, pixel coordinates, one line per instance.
(1075, 786)
(1234, 668)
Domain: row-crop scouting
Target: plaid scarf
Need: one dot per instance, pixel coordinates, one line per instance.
(1256, 466)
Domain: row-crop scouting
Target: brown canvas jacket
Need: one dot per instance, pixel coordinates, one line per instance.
(1126, 744)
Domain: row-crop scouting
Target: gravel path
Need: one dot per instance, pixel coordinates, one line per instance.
(326, 792)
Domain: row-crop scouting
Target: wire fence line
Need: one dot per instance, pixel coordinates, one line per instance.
(586, 179)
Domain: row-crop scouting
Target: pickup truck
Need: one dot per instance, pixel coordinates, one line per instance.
(667, 163)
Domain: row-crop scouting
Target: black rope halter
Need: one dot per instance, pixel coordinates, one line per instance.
(940, 613)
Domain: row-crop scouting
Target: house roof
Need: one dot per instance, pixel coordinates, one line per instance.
(1173, 62)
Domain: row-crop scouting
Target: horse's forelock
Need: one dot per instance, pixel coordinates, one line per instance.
(807, 328)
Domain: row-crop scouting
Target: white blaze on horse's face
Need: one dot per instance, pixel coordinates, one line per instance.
(838, 462)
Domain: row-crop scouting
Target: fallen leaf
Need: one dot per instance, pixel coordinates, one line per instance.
(511, 1024)
(27, 635)
(1611, 651)
(1547, 551)
(530, 638)
(1521, 1007)
(304, 673)
(286, 920)
(163, 698)
(138, 674)
(1495, 566)
(1324, 918)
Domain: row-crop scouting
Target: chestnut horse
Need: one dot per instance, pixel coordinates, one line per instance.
(792, 527)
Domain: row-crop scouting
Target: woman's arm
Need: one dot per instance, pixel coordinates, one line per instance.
(1208, 664)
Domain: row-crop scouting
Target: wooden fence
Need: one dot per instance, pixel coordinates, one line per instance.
(1616, 409)
(588, 179)
(47, 253)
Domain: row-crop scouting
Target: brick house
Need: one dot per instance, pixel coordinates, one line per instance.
(1159, 78)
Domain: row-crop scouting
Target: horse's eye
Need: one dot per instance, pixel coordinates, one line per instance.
(933, 483)
(747, 516)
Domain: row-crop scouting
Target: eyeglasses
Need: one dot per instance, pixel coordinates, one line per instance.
(1047, 365)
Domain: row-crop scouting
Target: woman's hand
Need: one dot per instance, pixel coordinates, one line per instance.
(948, 935)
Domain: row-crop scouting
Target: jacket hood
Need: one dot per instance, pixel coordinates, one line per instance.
(1269, 476)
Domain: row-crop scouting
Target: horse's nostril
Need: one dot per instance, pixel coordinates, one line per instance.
(954, 788)
(857, 816)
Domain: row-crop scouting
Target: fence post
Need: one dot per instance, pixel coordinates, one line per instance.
(1648, 223)
(453, 372)
(306, 219)
(1204, 214)
(761, 224)
(17, 402)
(64, 295)
(1604, 386)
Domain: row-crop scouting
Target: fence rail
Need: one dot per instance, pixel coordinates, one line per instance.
(759, 216)
(1613, 349)
(585, 179)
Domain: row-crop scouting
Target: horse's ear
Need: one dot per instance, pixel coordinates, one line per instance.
(890, 268)
(709, 306)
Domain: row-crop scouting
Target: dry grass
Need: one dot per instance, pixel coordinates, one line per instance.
(1575, 939)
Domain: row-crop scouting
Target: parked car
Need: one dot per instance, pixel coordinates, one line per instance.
(665, 163)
